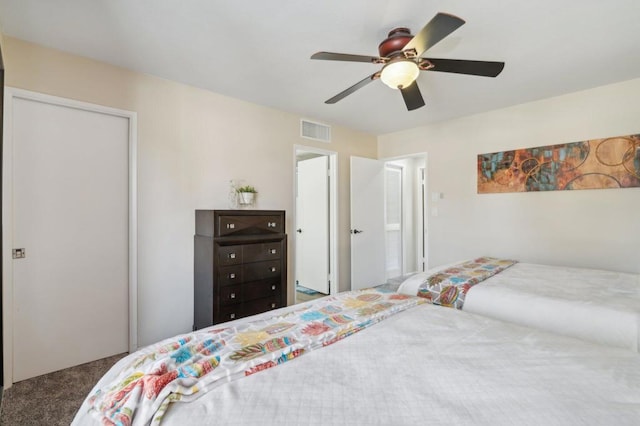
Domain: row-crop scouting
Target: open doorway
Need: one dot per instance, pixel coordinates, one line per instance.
(315, 259)
(388, 219)
(405, 218)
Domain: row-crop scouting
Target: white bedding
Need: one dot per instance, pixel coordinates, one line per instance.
(430, 365)
(595, 305)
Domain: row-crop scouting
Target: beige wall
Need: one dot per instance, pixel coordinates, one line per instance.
(191, 142)
(588, 228)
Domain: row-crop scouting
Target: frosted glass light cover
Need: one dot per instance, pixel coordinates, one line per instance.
(399, 74)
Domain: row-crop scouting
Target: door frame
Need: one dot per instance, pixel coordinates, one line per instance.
(7, 214)
(333, 214)
(312, 263)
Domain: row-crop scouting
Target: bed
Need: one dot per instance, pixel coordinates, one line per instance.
(413, 363)
(594, 305)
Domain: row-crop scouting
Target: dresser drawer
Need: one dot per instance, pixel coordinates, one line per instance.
(260, 289)
(261, 251)
(248, 272)
(245, 253)
(261, 270)
(247, 292)
(230, 255)
(230, 275)
(231, 294)
(249, 225)
(231, 312)
(262, 305)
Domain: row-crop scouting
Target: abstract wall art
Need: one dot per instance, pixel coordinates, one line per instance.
(593, 164)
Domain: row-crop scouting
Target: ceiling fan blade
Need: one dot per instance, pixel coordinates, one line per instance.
(438, 28)
(330, 56)
(460, 66)
(412, 96)
(352, 89)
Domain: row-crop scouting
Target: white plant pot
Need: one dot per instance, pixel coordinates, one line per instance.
(246, 198)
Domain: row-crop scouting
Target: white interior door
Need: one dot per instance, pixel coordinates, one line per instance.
(70, 186)
(367, 223)
(312, 224)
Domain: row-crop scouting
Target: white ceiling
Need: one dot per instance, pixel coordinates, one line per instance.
(259, 50)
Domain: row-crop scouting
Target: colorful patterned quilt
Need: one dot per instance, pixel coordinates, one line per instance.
(185, 367)
(450, 286)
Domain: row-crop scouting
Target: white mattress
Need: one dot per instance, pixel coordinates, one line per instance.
(431, 365)
(595, 305)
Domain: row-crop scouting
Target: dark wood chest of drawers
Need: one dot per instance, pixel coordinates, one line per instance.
(240, 264)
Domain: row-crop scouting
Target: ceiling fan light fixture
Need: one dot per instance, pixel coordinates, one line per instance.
(400, 74)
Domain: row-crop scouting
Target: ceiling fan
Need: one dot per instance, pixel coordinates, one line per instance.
(400, 54)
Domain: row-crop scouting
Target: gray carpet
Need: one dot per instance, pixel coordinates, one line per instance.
(52, 399)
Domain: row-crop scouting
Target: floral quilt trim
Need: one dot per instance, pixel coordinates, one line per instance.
(449, 287)
(185, 367)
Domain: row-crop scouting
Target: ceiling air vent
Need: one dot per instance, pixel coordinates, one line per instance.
(315, 131)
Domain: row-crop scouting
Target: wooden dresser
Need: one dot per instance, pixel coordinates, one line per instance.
(240, 264)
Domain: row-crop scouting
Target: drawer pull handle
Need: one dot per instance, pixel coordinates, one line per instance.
(232, 255)
(273, 305)
(231, 226)
(232, 316)
(232, 296)
(272, 269)
(273, 251)
(271, 224)
(232, 276)
(273, 287)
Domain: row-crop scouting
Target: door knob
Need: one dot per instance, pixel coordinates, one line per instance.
(356, 231)
(299, 231)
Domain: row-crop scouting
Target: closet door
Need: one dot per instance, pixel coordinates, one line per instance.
(312, 225)
(70, 216)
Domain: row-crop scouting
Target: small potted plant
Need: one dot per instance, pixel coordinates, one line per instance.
(246, 194)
